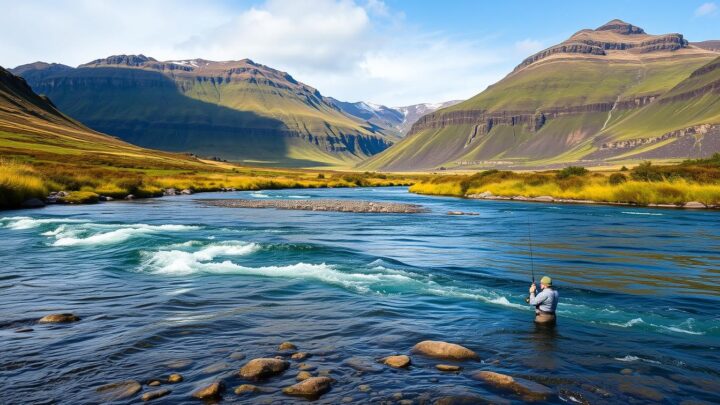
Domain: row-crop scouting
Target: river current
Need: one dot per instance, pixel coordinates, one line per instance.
(170, 281)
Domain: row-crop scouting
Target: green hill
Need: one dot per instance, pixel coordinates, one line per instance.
(567, 104)
(237, 110)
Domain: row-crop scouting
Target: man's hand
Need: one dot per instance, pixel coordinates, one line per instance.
(532, 288)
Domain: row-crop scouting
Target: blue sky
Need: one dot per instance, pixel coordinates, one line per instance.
(392, 52)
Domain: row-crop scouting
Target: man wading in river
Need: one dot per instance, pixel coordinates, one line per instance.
(545, 302)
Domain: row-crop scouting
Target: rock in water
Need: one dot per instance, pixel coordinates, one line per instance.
(448, 367)
(263, 368)
(400, 361)
(300, 355)
(59, 318)
(119, 390)
(150, 395)
(444, 350)
(303, 375)
(311, 388)
(212, 391)
(287, 346)
(246, 388)
(175, 378)
(237, 356)
(529, 390)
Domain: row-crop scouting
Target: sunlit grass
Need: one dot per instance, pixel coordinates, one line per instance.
(19, 182)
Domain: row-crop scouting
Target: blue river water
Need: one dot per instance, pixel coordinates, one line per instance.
(170, 281)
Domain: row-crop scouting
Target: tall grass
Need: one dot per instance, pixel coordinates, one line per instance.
(19, 182)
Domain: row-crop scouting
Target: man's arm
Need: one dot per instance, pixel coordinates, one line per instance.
(539, 299)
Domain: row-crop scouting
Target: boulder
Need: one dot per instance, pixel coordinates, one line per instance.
(59, 318)
(448, 367)
(311, 388)
(300, 356)
(263, 368)
(303, 375)
(246, 389)
(400, 361)
(175, 378)
(444, 350)
(169, 191)
(119, 390)
(150, 395)
(212, 391)
(186, 191)
(33, 203)
(130, 197)
(694, 204)
(287, 346)
(529, 390)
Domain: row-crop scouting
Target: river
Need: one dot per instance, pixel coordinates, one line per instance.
(162, 280)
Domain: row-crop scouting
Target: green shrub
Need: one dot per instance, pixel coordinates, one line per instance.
(571, 171)
(645, 171)
(617, 178)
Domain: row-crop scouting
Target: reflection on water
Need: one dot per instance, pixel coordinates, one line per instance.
(165, 281)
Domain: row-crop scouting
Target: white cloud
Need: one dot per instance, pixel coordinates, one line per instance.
(349, 49)
(706, 9)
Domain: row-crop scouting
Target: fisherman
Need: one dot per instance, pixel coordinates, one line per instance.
(545, 302)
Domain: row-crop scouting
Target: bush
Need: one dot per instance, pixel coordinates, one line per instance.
(645, 171)
(624, 169)
(617, 178)
(320, 176)
(571, 171)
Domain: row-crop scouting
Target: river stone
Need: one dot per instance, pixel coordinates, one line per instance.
(529, 390)
(150, 395)
(636, 390)
(300, 356)
(263, 368)
(175, 378)
(364, 388)
(215, 367)
(59, 318)
(306, 367)
(119, 390)
(212, 391)
(694, 204)
(400, 361)
(237, 356)
(448, 367)
(303, 375)
(154, 383)
(312, 387)
(287, 346)
(362, 364)
(444, 350)
(179, 364)
(245, 389)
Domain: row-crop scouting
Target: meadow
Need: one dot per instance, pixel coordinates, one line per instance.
(692, 180)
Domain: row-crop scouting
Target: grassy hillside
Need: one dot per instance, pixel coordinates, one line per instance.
(238, 110)
(566, 103)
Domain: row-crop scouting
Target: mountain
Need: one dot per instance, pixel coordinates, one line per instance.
(235, 110)
(572, 103)
(32, 128)
(396, 119)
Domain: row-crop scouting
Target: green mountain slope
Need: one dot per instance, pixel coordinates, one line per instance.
(235, 110)
(558, 106)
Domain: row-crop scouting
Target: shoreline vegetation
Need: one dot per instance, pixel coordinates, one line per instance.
(690, 184)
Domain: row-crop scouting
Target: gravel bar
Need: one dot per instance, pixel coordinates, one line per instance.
(320, 205)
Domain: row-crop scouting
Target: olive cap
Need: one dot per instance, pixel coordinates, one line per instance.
(546, 280)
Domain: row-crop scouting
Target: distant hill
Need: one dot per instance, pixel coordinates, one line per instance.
(235, 110)
(32, 129)
(610, 94)
(397, 119)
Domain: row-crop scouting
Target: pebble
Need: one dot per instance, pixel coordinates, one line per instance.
(300, 355)
(312, 387)
(246, 388)
(212, 391)
(303, 375)
(150, 395)
(175, 378)
(263, 368)
(119, 390)
(400, 361)
(448, 367)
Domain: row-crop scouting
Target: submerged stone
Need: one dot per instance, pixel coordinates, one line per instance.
(59, 318)
(212, 391)
(263, 368)
(444, 350)
(119, 390)
(400, 361)
(150, 395)
(311, 388)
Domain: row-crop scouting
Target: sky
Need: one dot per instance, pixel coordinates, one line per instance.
(390, 52)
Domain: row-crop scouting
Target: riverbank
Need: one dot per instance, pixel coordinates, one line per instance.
(320, 205)
(691, 184)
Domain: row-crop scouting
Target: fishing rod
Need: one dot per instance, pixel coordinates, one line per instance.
(530, 245)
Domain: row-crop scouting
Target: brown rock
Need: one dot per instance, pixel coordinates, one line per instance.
(448, 367)
(263, 368)
(59, 318)
(400, 361)
(175, 378)
(306, 367)
(303, 375)
(150, 395)
(287, 346)
(444, 350)
(312, 387)
(300, 356)
(154, 383)
(529, 390)
(212, 391)
(119, 390)
(245, 389)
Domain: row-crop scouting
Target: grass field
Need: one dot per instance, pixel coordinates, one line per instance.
(696, 180)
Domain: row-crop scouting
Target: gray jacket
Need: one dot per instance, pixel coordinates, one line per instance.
(546, 301)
